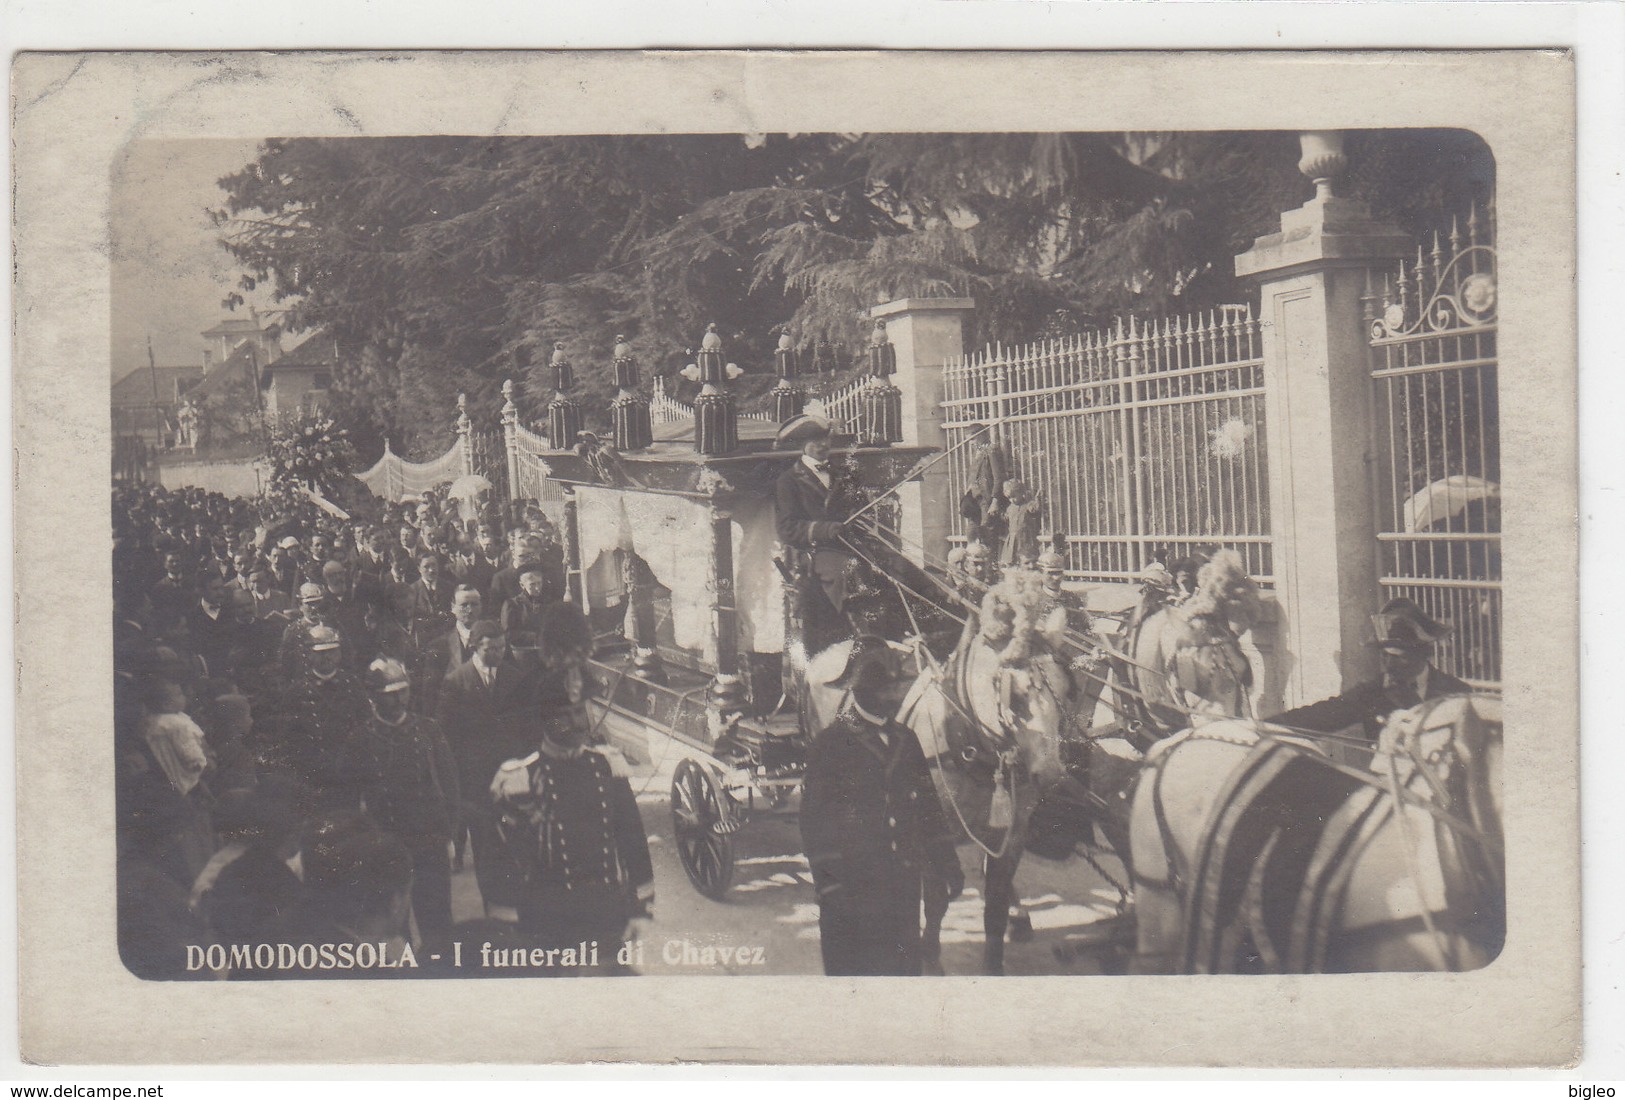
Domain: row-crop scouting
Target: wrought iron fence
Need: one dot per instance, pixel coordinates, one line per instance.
(488, 457)
(1145, 441)
(1437, 425)
(529, 469)
(666, 409)
(844, 405)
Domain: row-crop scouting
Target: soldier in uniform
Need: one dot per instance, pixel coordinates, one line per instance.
(321, 714)
(1064, 621)
(295, 645)
(408, 782)
(872, 826)
(570, 823)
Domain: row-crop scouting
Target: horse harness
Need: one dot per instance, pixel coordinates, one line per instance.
(1282, 843)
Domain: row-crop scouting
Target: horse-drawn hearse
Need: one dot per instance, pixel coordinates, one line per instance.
(1129, 743)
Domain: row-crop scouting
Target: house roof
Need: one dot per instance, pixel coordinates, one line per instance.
(238, 367)
(236, 326)
(136, 387)
(317, 351)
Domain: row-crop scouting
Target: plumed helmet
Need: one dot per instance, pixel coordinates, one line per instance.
(564, 629)
(1054, 555)
(322, 637)
(387, 674)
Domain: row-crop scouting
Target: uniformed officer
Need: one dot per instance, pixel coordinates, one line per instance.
(1064, 621)
(319, 717)
(570, 824)
(872, 826)
(408, 785)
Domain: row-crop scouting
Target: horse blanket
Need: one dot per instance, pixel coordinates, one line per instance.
(1252, 904)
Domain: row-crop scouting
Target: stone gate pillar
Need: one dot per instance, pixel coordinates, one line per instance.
(926, 334)
(1318, 408)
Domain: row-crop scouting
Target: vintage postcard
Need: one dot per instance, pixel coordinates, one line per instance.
(772, 557)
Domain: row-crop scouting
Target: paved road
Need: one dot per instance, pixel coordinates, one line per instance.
(771, 913)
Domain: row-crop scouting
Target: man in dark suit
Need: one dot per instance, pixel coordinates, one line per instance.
(347, 614)
(487, 711)
(478, 563)
(1406, 635)
(174, 594)
(428, 598)
(211, 627)
(446, 652)
(872, 826)
(270, 602)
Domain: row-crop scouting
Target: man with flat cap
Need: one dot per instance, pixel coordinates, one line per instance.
(1406, 635)
(809, 513)
(872, 826)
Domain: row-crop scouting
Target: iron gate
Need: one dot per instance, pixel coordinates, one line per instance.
(1437, 427)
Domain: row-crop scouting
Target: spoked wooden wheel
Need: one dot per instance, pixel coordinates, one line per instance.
(703, 823)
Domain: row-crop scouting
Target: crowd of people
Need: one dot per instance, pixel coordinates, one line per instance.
(318, 719)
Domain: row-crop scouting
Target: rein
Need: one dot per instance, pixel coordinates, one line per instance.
(943, 786)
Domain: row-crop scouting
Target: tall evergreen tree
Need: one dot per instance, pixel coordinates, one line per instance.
(449, 264)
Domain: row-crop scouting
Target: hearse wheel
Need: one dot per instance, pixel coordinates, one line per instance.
(703, 823)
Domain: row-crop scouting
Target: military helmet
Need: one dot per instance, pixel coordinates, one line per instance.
(322, 637)
(387, 674)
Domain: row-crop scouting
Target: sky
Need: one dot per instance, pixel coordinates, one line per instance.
(169, 270)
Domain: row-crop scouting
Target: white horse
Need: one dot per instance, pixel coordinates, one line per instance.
(1398, 867)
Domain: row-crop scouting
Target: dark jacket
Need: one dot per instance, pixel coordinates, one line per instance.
(428, 610)
(439, 659)
(313, 735)
(1366, 705)
(804, 509)
(408, 778)
(872, 827)
(477, 573)
(580, 847)
(213, 639)
(487, 725)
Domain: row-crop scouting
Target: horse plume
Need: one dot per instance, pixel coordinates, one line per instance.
(1223, 589)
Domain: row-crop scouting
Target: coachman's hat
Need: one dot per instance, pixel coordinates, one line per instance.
(872, 660)
(798, 430)
(1402, 625)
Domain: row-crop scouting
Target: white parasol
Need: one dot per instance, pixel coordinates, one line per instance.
(465, 490)
(1445, 499)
